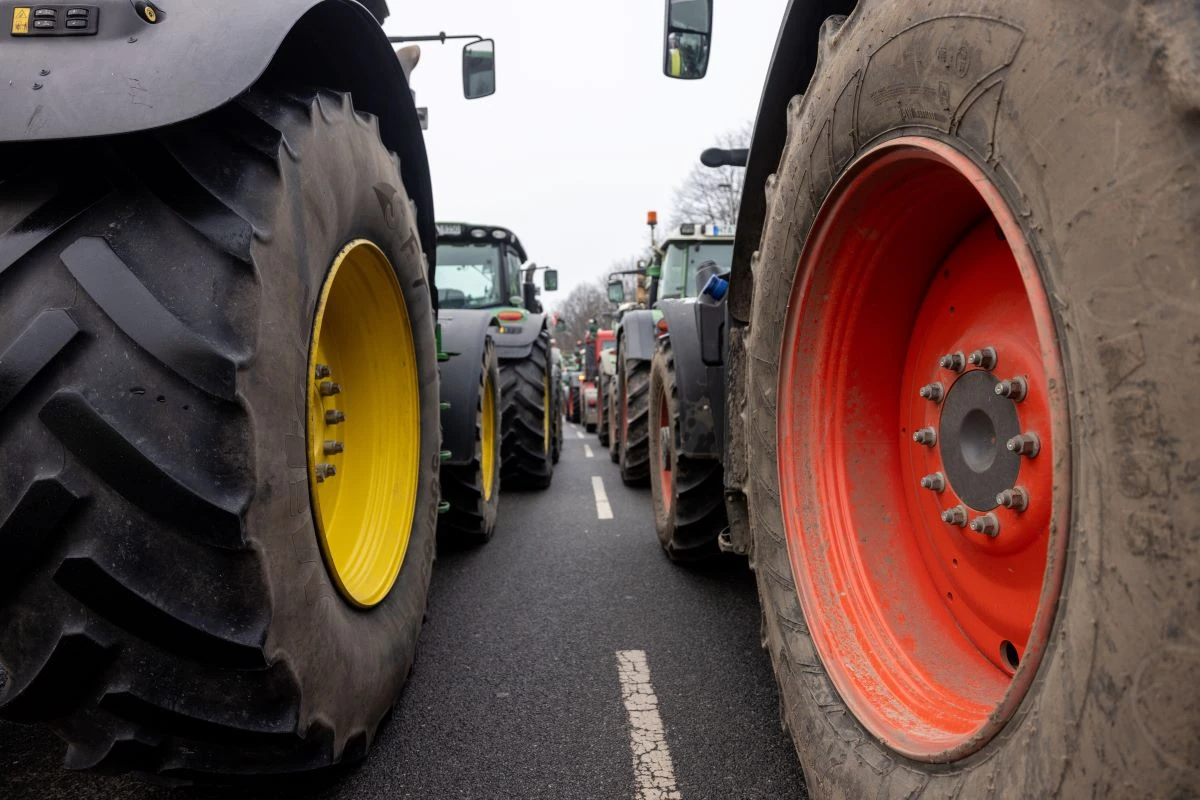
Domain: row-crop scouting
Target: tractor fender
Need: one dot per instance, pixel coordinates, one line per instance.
(135, 76)
(464, 335)
(700, 387)
(637, 329)
(512, 345)
(792, 67)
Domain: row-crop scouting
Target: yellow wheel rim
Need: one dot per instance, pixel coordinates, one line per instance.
(545, 415)
(488, 459)
(364, 423)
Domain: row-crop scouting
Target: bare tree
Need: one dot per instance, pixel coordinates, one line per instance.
(712, 195)
(585, 302)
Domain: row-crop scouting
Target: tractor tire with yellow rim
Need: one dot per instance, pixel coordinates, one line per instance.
(219, 489)
(473, 489)
(972, 355)
(528, 408)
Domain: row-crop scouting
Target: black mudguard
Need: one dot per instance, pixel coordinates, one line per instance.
(133, 75)
(637, 331)
(516, 345)
(701, 386)
(464, 335)
(792, 67)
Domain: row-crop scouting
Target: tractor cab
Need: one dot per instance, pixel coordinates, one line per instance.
(681, 256)
(485, 266)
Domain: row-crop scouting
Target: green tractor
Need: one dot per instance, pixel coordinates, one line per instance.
(499, 379)
(219, 378)
(678, 268)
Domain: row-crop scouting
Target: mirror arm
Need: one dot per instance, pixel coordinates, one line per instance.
(440, 37)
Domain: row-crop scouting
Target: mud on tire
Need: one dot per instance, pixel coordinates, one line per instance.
(165, 606)
(689, 502)
(1111, 229)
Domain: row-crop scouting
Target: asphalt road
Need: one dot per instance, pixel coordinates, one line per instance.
(518, 687)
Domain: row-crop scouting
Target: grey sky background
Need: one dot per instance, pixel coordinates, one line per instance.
(584, 133)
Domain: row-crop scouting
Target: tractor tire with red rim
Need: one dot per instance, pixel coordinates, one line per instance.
(973, 367)
(473, 490)
(688, 493)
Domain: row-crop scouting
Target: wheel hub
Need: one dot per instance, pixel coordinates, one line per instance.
(974, 425)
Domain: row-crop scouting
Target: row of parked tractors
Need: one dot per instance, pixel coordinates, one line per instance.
(941, 392)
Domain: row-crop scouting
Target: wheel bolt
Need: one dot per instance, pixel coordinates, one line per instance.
(329, 388)
(984, 358)
(987, 524)
(932, 392)
(325, 471)
(323, 371)
(1014, 389)
(953, 362)
(1016, 498)
(925, 436)
(935, 482)
(332, 448)
(335, 417)
(1027, 444)
(957, 515)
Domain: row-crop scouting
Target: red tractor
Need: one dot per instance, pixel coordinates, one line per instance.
(594, 345)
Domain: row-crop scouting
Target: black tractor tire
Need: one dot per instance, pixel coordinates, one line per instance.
(557, 423)
(527, 461)
(165, 606)
(692, 515)
(602, 410)
(471, 518)
(614, 433)
(1113, 705)
(633, 406)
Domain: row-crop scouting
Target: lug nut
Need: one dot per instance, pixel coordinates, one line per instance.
(936, 482)
(325, 471)
(932, 392)
(984, 358)
(987, 524)
(925, 436)
(1027, 444)
(332, 448)
(1016, 498)
(1014, 389)
(329, 388)
(323, 371)
(953, 362)
(335, 417)
(957, 515)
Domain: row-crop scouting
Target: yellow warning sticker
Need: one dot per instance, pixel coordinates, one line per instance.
(20, 20)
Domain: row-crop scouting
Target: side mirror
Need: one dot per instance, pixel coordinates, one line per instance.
(550, 280)
(560, 326)
(479, 69)
(686, 39)
(616, 292)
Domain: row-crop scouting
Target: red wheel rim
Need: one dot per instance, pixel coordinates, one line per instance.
(931, 632)
(664, 454)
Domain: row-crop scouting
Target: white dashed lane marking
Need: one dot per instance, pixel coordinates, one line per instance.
(579, 433)
(603, 509)
(587, 451)
(653, 772)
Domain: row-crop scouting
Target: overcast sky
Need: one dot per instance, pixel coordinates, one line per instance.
(584, 133)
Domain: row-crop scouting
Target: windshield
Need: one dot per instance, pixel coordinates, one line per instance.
(468, 275)
(608, 344)
(682, 260)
